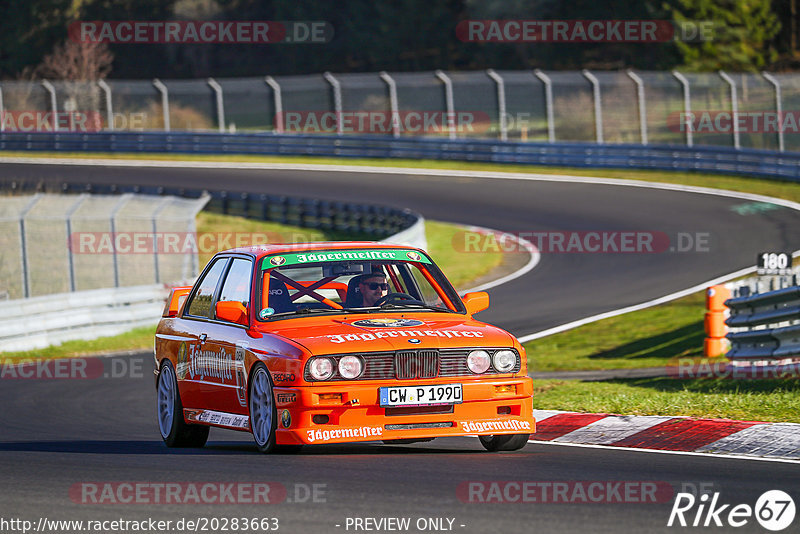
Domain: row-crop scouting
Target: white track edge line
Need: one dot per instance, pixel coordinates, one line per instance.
(660, 451)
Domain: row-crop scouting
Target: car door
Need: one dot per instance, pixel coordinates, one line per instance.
(226, 342)
(192, 358)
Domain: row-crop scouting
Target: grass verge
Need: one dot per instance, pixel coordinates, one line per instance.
(748, 400)
(461, 268)
(653, 337)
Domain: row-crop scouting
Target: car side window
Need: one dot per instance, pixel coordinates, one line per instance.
(237, 283)
(200, 305)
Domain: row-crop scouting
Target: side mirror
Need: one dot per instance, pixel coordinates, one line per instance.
(177, 296)
(232, 311)
(475, 302)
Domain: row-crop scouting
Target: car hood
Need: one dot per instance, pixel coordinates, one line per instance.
(387, 332)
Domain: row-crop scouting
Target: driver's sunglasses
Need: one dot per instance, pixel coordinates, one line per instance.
(375, 285)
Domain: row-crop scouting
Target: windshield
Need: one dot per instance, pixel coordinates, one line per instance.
(342, 282)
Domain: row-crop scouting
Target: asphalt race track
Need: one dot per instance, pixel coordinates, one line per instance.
(564, 286)
(61, 436)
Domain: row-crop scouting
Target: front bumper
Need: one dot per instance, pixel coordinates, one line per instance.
(490, 406)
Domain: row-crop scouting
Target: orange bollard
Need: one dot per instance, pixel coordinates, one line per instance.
(716, 343)
(716, 297)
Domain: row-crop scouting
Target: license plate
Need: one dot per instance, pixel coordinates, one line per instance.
(421, 395)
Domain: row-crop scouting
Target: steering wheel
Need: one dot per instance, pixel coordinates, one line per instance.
(397, 297)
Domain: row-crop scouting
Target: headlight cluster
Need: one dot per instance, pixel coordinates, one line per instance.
(503, 361)
(349, 367)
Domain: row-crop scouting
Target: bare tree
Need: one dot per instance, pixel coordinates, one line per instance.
(78, 65)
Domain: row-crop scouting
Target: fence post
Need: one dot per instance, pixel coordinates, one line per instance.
(217, 88)
(642, 107)
(163, 204)
(548, 104)
(118, 206)
(394, 107)
(598, 110)
(2, 111)
(109, 106)
(68, 221)
(448, 100)
(164, 102)
(53, 103)
(501, 103)
(26, 279)
(778, 106)
(277, 102)
(734, 108)
(687, 107)
(337, 100)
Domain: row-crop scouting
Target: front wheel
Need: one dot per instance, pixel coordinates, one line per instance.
(174, 430)
(504, 442)
(263, 413)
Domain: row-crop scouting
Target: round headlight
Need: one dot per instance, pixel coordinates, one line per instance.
(504, 361)
(321, 368)
(478, 361)
(350, 366)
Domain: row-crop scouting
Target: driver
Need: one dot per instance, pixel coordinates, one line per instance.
(373, 287)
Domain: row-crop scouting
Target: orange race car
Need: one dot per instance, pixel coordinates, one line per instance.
(335, 342)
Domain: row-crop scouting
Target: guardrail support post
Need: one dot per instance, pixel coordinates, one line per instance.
(277, 100)
(778, 106)
(548, 104)
(598, 110)
(394, 107)
(53, 103)
(688, 120)
(734, 108)
(109, 106)
(337, 100)
(217, 88)
(164, 102)
(448, 100)
(642, 108)
(501, 103)
(70, 258)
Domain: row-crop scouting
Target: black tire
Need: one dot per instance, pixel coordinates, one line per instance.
(262, 409)
(169, 413)
(504, 442)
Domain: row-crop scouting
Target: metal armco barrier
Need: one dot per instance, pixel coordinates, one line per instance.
(721, 160)
(759, 316)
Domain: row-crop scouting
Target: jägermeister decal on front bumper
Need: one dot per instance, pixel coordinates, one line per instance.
(379, 254)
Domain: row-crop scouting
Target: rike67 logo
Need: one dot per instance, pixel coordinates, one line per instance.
(774, 510)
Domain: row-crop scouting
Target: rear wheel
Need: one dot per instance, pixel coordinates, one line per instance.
(263, 413)
(504, 442)
(174, 430)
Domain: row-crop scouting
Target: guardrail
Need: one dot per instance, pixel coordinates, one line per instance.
(721, 160)
(759, 317)
(369, 221)
(52, 319)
